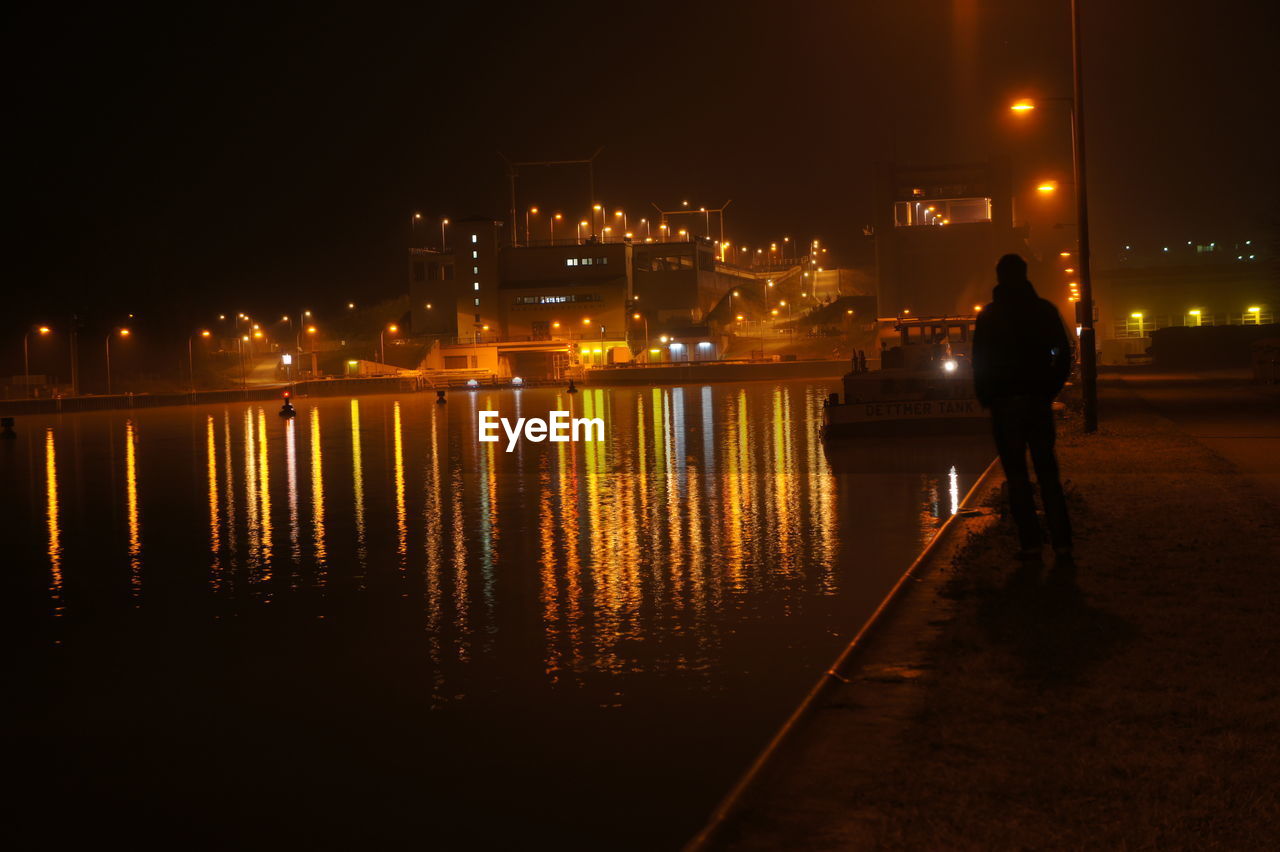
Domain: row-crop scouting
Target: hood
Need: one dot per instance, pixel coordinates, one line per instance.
(1013, 291)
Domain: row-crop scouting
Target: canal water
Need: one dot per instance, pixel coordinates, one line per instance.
(365, 627)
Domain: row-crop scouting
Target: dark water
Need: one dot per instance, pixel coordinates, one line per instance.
(364, 627)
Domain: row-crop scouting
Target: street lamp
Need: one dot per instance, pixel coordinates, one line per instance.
(444, 241)
(191, 368)
(413, 225)
(1084, 308)
(26, 366)
(639, 316)
(123, 332)
(554, 219)
(382, 346)
(531, 211)
(1047, 186)
(581, 225)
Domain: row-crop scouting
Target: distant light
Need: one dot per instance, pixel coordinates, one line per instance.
(353, 363)
(393, 328)
(703, 343)
(1064, 254)
(1255, 310)
(976, 308)
(656, 351)
(44, 329)
(664, 338)
(286, 359)
(1127, 248)
(1194, 313)
(472, 383)
(1136, 315)
(1022, 106)
(204, 334)
(1047, 186)
(949, 365)
(1166, 248)
(516, 380)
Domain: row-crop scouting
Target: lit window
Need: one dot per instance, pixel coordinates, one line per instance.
(474, 238)
(570, 261)
(475, 270)
(475, 254)
(477, 303)
(476, 285)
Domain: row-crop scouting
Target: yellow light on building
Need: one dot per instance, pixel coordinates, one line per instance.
(1047, 186)
(1022, 105)
(1136, 315)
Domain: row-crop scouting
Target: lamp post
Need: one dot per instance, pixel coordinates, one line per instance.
(26, 365)
(413, 226)
(1084, 307)
(639, 316)
(191, 364)
(240, 342)
(382, 346)
(528, 238)
(444, 241)
(124, 332)
(554, 219)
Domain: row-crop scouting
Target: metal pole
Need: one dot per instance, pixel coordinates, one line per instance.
(1088, 351)
(191, 367)
(75, 369)
(26, 368)
(108, 363)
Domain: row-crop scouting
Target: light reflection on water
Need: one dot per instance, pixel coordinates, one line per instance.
(692, 572)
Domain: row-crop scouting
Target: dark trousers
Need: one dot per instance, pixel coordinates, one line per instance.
(1023, 423)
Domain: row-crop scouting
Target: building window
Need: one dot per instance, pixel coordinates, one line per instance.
(474, 238)
(475, 285)
(475, 270)
(475, 254)
(557, 300)
(477, 303)
(570, 261)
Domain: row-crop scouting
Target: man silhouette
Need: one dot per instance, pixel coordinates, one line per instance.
(1021, 358)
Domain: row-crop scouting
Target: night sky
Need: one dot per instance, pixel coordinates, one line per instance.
(226, 158)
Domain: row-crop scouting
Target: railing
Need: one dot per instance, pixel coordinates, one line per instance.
(1132, 327)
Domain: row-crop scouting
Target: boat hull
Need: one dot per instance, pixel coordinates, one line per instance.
(904, 417)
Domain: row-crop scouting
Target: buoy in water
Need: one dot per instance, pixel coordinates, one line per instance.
(571, 388)
(440, 400)
(287, 410)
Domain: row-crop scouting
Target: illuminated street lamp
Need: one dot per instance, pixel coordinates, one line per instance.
(581, 225)
(1084, 309)
(528, 237)
(191, 369)
(554, 219)
(444, 241)
(639, 316)
(123, 332)
(1047, 186)
(382, 346)
(413, 225)
(26, 366)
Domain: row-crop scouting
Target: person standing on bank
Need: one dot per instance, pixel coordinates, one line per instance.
(1021, 359)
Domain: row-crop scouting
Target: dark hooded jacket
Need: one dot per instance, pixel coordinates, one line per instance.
(1020, 347)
